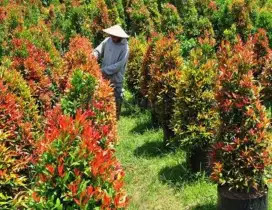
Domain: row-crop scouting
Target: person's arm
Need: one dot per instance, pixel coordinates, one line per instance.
(114, 68)
(99, 50)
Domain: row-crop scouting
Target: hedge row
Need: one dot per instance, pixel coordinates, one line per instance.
(57, 113)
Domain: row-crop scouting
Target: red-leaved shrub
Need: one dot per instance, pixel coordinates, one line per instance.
(71, 161)
(33, 63)
(241, 153)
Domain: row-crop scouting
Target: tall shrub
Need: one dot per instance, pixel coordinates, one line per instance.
(241, 153)
(262, 51)
(145, 73)
(165, 70)
(140, 21)
(33, 64)
(195, 117)
(264, 20)
(80, 57)
(133, 73)
(170, 20)
(99, 14)
(15, 149)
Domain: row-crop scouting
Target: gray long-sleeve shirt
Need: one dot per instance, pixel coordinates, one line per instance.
(114, 59)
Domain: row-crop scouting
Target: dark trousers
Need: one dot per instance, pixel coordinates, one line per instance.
(118, 93)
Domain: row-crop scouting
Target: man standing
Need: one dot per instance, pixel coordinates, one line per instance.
(114, 52)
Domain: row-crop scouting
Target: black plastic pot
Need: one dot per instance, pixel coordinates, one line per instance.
(231, 200)
(197, 160)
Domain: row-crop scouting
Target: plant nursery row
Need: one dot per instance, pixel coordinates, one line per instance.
(203, 68)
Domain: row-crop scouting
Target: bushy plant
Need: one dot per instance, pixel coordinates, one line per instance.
(105, 109)
(86, 93)
(164, 69)
(206, 8)
(99, 16)
(80, 56)
(241, 154)
(195, 117)
(266, 80)
(116, 12)
(41, 37)
(12, 183)
(16, 84)
(170, 20)
(140, 18)
(3, 29)
(15, 148)
(73, 171)
(32, 84)
(145, 70)
(240, 13)
(133, 73)
(80, 94)
(155, 15)
(262, 51)
(33, 63)
(189, 15)
(264, 20)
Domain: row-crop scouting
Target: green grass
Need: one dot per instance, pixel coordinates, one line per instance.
(156, 178)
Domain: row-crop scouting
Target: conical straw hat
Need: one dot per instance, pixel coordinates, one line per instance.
(116, 30)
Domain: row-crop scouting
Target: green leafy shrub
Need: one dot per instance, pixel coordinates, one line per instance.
(140, 18)
(41, 37)
(145, 74)
(81, 93)
(266, 80)
(99, 15)
(133, 73)
(164, 69)
(170, 19)
(240, 13)
(116, 12)
(195, 117)
(189, 16)
(12, 183)
(15, 84)
(262, 51)
(265, 21)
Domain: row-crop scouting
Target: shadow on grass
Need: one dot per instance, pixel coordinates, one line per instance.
(179, 175)
(143, 126)
(152, 149)
(176, 175)
(205, 207)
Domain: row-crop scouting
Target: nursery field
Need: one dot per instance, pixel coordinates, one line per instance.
(158, 179)
(195, 128)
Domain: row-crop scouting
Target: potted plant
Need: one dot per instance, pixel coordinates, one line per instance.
(195, 118)
(164, 70)
(133, 73)
(240, 156)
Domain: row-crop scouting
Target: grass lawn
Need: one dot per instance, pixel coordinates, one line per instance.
(157, 179)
